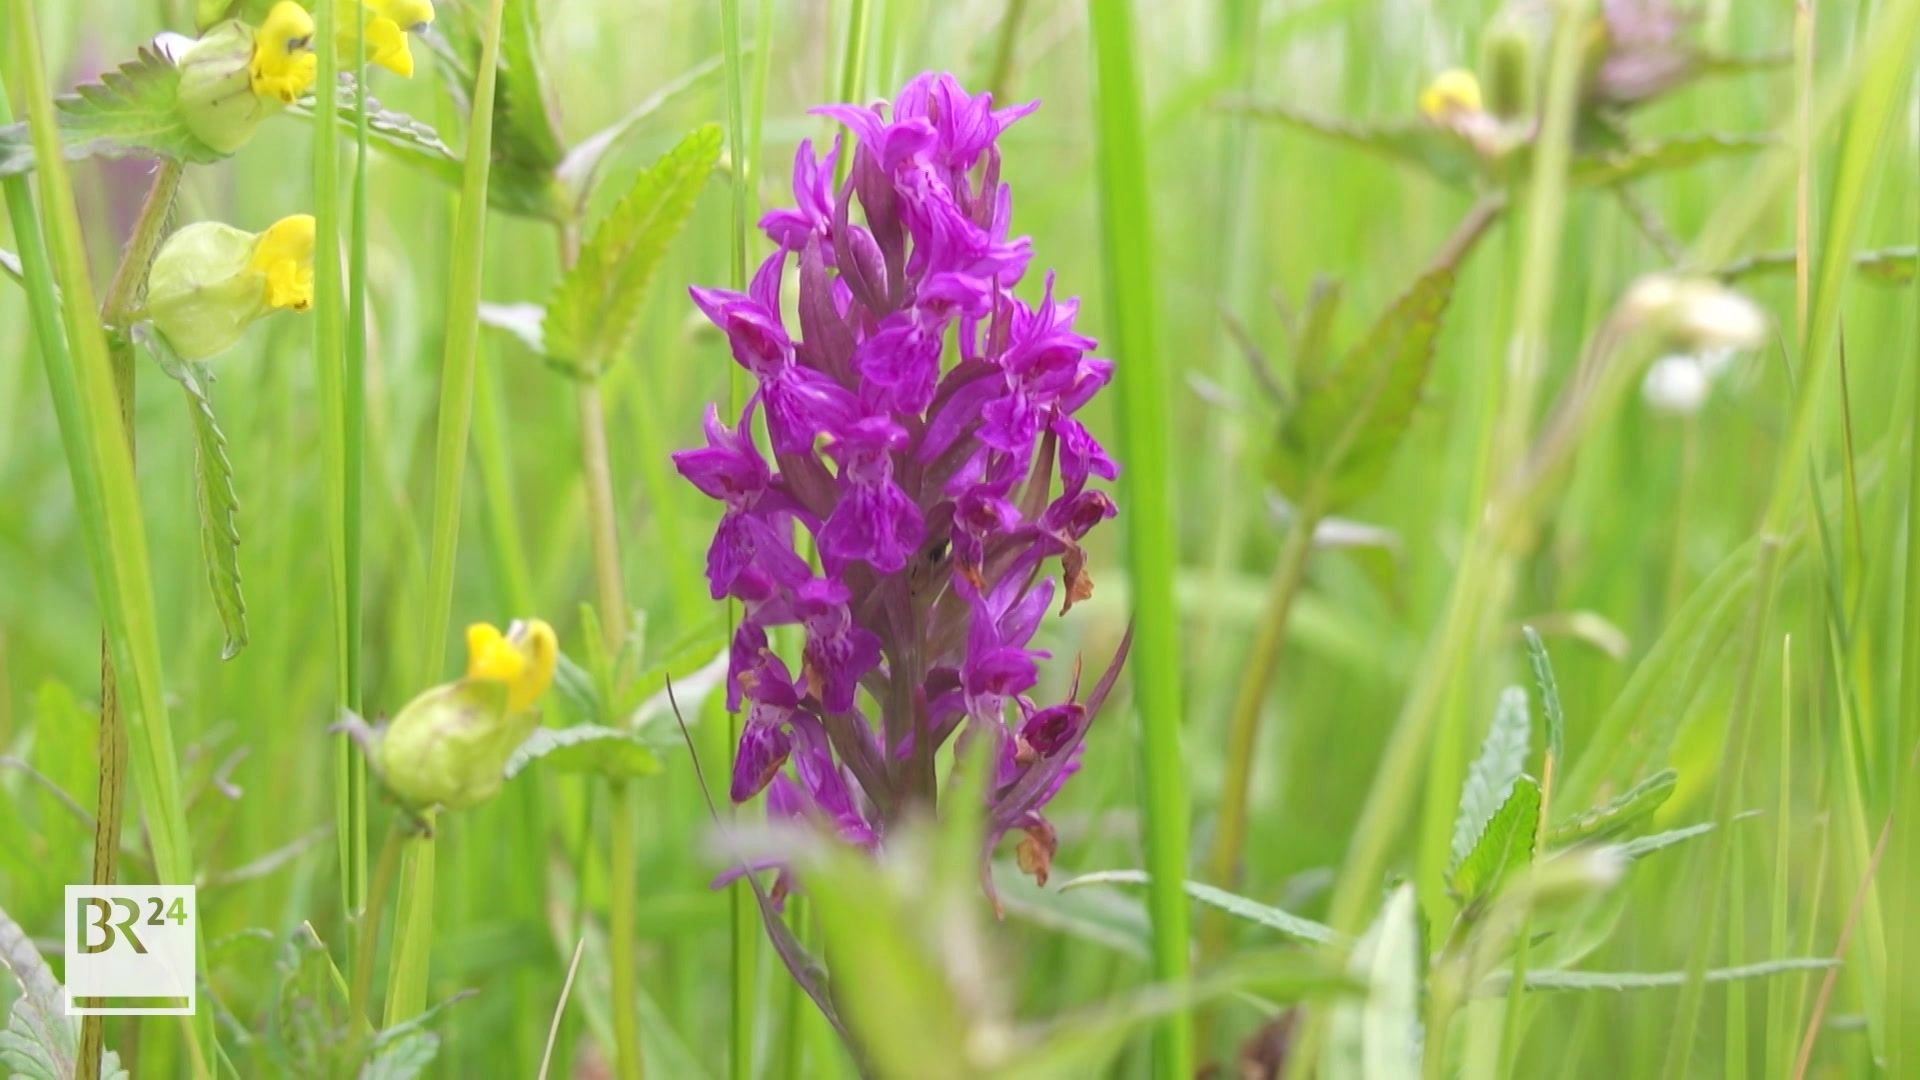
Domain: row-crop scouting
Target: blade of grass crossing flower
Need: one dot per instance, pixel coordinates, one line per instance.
(353, 440)
(329, 352)
(743, 935)
(126, 589)
(407, 978)
(1145, 392)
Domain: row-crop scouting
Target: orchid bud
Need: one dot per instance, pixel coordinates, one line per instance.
(234, 77)
(210, 281)
(448, 748)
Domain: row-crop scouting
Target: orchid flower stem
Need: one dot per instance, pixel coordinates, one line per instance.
(1230, 835)
(122, 297)
(596, 467)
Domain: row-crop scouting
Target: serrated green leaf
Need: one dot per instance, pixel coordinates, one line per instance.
(1608, 167)
(1886, 266)
(1503, 755)
(524, 131)
(1655, 980)
(1375, 1038)
(1313, 349)
(595, 305)
(214, 496)
(1504, 845)
(1232, 903)
(402, 1058)
(129, 112)
(1440, 153)
(1550, 707)
(40, 1040)
(1630, 806)
(587, 748)
(1336, 442)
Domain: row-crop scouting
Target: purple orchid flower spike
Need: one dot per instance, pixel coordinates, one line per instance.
(921, 427)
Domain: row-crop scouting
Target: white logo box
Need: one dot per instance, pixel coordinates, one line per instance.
(132, 946)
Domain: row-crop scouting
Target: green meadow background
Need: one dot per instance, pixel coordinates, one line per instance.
(1617, 567)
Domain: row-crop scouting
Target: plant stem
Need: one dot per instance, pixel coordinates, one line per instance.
(596, 470)
(369, 930)
(1289, 570)
(1000, 82)
(122, 297)
(1145, 389)
(407, 978)
(80, 375)
(743, 148)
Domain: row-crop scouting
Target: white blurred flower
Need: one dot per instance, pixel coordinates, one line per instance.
(1697, 314)
(1677, 385)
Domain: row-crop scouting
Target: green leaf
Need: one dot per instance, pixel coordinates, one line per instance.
(583, 162)
(129, 112)
(1490, 779)
(1556, 716)
(1233, 904)
(586, 748)
(524, 131)
(1085, 1041)
(1375, 1038)
(1625, 809)
(400, 1058)
(1342, 432)
(1886, 266)
(595, 305)
(1414, 142)
(1619, 166)
(1655, 980)
(40, 1040)
(1642, 846)
(1504, 845)
(213, 491)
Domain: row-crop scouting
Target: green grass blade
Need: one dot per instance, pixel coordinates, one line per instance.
(407, 978)
(125, 590)
(1145, 392)
(742, 933)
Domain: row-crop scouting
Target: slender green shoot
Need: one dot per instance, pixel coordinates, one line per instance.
(1145, 393)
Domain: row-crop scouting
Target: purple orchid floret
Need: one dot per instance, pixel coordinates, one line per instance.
(920, 421)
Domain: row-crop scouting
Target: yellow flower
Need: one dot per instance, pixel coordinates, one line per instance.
(449, 747)
(234, 76)
(210, 281)
(283, 63)
(523, 658)
(1450, 93)
(386, 25)
(284, 256)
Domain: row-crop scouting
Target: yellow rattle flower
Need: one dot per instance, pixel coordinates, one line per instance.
(283, 64)
(284, 256)
(385, 24)
(523, 658)
(449, 747)
(1451, 93)
(234, 76)
(210, 281)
